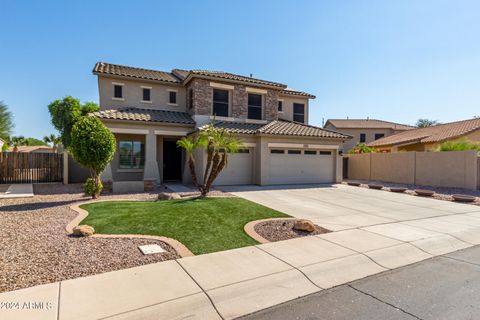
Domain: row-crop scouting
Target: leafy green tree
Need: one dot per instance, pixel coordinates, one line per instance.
(52, 140)
(218, 144)
(65, 113)
(423, 123)
(93, 146)
(459, 145)
(362, 148)
(6, 122)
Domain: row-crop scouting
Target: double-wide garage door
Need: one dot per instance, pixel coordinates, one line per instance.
(301, 166)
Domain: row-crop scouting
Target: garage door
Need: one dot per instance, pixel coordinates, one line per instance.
(239, 169)
(295, 166)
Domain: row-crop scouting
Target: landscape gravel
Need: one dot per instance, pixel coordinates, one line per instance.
(35, 248)
(277, 230)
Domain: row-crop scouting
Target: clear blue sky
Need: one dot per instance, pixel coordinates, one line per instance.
(393, 60)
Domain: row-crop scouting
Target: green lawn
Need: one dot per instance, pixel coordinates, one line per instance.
(203, 225)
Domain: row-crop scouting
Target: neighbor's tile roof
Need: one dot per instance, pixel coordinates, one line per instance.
(367, 124)
(279, 127)
(139, 73)
(432, 134)
(147, 115)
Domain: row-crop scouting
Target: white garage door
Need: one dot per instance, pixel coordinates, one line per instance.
(239, 169)
(301, 166)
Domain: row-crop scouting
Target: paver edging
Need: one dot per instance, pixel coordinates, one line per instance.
(179, 247)
(249, 228)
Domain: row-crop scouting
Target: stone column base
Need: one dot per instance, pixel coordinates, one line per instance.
(107, 186)
(149, 184)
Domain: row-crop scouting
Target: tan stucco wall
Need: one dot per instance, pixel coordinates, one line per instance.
(288, 102)
(444, 169)
(355, 133)
(132, 95)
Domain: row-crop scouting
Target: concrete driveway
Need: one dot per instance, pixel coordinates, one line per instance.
(341, 207)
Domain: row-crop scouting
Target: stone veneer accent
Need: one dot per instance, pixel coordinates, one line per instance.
(149, 184)
(203, 96)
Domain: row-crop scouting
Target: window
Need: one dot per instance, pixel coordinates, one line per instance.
(131, 154)
(325, 153)
(280, 106)
(117, 91)
(145, 94)
(254, 106)
(172, 97)
(299, 112)
(243, 151)
(363, 137)
(190, 99)
(220, 103)
(309, 152)
(277, 151)
(379, 136)
(294, 152)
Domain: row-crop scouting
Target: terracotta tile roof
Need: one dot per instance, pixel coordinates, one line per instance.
(45, 149)
(366, 124)
(139, 73)
(235, 77)
(438, 133)
(293, 92)
(279, 127)
(147, 115)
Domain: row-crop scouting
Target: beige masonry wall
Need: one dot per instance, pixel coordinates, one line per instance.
(444, 169)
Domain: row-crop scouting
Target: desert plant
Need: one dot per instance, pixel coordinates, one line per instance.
(65, 113)
(93, 146)
(459, 145)
(362, 148)
(92, 187)
(218, 144)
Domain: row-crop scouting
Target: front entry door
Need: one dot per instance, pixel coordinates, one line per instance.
(172, 161)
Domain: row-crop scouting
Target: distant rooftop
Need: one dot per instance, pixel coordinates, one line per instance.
(367, 124)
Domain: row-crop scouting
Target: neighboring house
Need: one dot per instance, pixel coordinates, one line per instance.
(364, 130)
(148, 111)
(32, 149)
(426, 139)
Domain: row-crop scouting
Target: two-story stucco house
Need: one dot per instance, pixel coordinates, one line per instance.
(148, 111)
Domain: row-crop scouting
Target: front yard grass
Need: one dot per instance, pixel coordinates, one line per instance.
(203, 225)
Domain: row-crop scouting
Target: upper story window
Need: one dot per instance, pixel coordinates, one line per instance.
(299, 112)
(172, 97)
(220, 103)
(118, 90)
(280, 106)
(190, 99)
(363, 137)
(255, 106)
(146, 94)
(379, 136)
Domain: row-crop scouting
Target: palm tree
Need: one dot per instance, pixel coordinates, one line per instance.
(6, 122)
(52, 139)
(219, 144)
(423, 123)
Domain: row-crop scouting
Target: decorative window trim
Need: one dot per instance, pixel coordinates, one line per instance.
(118, 84)
(118, 99)
(221, 86)
(146, 101)
(256, 90)
(145, 87)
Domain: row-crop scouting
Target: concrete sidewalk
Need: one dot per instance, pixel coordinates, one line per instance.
(18, 191)
(445, 287)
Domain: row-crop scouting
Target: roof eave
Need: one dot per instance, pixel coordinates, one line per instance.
(191, 75)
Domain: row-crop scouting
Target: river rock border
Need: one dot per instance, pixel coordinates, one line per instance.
(179, 247)
(249, 228)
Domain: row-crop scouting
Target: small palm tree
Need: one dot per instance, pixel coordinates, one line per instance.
(52, 140)
(6, 122)
(219, 144)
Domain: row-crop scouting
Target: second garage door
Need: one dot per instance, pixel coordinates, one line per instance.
(301, 166)
(239, 169)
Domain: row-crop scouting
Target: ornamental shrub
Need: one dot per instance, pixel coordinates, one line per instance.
(91, 187)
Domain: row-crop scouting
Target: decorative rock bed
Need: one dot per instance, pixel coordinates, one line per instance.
(463, 198)
(398, 189)
(424, 193)
(354, 184)
(375, 186)
(282, 229)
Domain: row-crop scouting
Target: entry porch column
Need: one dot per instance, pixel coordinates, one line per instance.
(151, 174)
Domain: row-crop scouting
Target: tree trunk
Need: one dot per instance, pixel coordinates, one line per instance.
(219, 169)
(213, 172)
(209, 161)
(96, 195)
(193, 171)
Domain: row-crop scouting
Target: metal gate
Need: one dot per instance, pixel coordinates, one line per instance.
(21, 167)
